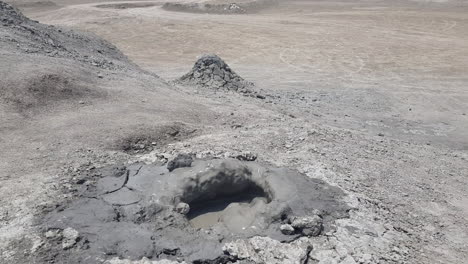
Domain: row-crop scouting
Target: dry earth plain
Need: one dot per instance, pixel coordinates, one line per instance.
(369, 96)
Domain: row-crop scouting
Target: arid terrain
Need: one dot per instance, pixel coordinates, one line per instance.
(370, 98)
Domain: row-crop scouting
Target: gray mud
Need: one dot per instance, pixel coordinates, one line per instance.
(130, 212)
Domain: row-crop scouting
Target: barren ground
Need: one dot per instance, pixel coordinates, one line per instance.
(370, 96)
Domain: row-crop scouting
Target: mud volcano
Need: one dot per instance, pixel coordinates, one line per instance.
(212, 72)
(190, 213)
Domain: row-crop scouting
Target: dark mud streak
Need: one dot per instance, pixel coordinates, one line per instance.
(127, 176)
(307, 256)
(126, 180)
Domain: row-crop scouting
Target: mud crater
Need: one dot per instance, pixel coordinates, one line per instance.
(188, 213)
(229, 198)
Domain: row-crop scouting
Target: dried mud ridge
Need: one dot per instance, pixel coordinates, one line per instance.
(127, 5)
(146, 211)
(232, 8)
(244, 7)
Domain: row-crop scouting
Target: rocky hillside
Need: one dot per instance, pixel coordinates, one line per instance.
(43, 65)
(21, 34)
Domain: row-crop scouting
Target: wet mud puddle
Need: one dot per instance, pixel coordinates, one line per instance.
(238, 211)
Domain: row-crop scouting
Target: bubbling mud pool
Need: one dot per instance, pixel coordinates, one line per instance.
(228, 197)
(240, 209)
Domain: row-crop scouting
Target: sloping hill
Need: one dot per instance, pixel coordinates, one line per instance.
(21, 34)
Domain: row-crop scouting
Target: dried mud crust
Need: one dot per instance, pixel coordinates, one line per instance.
(130, 212)
(146, 139)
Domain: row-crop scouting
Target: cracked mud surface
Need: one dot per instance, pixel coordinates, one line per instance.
(130, 211)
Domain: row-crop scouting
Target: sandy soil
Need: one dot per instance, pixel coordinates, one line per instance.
(367, 95)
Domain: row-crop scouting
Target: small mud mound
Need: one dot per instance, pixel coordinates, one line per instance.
(189, 214)
(127, 5)
(212, 72)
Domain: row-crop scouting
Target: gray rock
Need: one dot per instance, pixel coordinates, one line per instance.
(217, 72)
(287, 229)
(309, 225)
(70, 237)
(247, 156)
(218, 78)
(181, 161)
(53, 233)
(267, 250)
(182, 208)
(144, 260)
